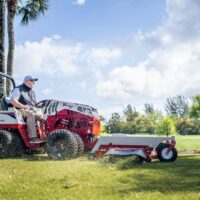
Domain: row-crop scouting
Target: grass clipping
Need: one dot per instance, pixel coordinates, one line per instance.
(121, 162)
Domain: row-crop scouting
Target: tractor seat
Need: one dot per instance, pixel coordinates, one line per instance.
(4, 104)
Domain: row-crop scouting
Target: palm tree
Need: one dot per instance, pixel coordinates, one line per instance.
(29, 10)
(32, 10)
(2, 44)
(11, 10)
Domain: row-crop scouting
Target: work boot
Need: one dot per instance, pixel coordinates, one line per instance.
(36, 140)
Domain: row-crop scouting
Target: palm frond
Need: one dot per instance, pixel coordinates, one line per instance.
(31, 10)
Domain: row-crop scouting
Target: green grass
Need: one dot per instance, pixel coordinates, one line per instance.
(37, 177)
(188, 143)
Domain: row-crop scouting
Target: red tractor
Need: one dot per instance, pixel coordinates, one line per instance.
(68, 130)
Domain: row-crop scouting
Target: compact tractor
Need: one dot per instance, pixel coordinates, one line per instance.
(72, 128)
(68, 130)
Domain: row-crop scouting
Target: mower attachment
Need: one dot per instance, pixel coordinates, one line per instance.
(146, 147)
(126, 152)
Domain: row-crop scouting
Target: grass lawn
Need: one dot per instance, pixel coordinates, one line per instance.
(36, 177)
(39, 178)
(185, 143)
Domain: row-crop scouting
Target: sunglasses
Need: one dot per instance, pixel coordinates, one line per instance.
(32, 81)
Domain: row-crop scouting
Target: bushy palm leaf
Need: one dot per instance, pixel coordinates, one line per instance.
(31, 10)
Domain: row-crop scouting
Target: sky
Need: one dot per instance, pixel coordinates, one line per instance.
(111, 53)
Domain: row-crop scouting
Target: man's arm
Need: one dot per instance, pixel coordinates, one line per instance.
(14, 99)
(17, 104)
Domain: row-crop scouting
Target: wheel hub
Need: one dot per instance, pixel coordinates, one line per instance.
(166, 153)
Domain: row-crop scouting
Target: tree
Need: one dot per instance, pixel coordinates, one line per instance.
(195, 109)
(115, 123)
(151, 118)
(2, 45)
(177, 106)
(11, 10)
(29, 10)
(130, 113)
(166, 127)
(149, 109)
(102, 118)
(150, 122)
(103, 124)
(187, 126)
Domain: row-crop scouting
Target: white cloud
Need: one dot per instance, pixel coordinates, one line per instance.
(102, 56)
(172, 65)
(55, 56)
(47, 57)
(99, 59)
(80, 2)
(166, 72)
(107, 110)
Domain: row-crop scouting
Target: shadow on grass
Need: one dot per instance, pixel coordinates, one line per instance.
(41, 157)
(180, 176)
(33, 157)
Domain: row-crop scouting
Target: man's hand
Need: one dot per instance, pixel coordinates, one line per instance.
(34, 109)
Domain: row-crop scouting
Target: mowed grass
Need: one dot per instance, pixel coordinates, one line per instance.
(188, 143)
(37, 177)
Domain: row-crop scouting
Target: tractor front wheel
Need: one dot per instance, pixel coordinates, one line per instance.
(17, 147)
(5, 142)
(61, 144)
(80, 145)
(166, 155)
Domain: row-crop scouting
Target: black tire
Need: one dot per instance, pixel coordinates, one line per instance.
(17, 147)
(80, 145)
(163, 156)
(5, 142)
(61, 144)
(35, 151)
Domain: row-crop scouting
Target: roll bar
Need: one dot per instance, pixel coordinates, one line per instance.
(9, 77)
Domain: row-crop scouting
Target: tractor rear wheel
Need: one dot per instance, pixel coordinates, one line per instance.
(5, 142)
(80, 145)
(61, 144)
(164, 155)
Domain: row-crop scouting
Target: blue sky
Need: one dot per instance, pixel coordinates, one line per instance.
(111, 53)
(95, 21)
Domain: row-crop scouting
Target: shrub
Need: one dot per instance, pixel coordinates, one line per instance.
(186, 126)
(166, 127)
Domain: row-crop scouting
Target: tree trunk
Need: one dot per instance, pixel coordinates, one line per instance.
(2, 45)
(11, 7)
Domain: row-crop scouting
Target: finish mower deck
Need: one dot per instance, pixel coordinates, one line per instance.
(145, 147)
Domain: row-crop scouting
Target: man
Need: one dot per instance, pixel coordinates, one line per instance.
(23, 97)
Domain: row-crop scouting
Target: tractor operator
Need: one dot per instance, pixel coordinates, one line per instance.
(23, 97)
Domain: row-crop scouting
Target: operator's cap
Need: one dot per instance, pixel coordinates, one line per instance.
(30, 78)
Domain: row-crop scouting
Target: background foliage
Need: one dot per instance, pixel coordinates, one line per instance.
(182, 117)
